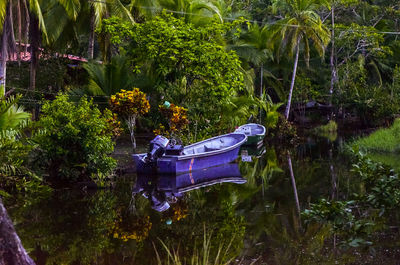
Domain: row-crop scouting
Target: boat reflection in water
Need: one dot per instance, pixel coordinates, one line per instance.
(162, 190)
(248, 153)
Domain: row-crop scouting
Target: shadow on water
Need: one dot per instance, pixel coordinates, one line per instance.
(249, 209)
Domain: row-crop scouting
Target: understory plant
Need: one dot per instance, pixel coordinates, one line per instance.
(74, 140)
(176, 119)
(129, 105)
(13, 119)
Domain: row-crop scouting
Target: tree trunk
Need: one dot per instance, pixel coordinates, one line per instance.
(296, 60)
(27, 26)
(4, 55)
(261, 88)
(11, 250)
(332, 59)
(19, 15)
(34, 35)
(91, 34)
(5, 40)
(131, 122)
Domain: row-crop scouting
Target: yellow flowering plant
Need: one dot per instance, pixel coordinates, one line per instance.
(176, 117)
(129, 105)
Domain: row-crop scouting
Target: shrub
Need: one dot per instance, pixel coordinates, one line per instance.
(74, 140)
(129, 105)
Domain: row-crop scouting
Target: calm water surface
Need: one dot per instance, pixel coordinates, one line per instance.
(256, 222)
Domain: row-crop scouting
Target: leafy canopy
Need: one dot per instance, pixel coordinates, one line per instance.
(190, 65)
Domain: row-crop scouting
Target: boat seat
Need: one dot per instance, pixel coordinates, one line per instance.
(210, 149)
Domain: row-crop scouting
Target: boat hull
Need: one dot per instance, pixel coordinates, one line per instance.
(201, 178)
(255, 133)
(255, 140)
(172, 165)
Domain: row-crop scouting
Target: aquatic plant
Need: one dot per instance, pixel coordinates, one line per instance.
(202, 254)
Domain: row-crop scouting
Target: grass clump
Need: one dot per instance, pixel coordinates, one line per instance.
(330, 127)
(383, 140)
(203, 254)
(328, 130)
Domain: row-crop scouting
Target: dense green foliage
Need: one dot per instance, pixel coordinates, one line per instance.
(13, 151)
(187, 65)
(74, 140)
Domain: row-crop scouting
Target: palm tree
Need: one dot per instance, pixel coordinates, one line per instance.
(7, 39)
(101, 9)
(107, 79)
(197, 12)
(7, 28)
(300, 24)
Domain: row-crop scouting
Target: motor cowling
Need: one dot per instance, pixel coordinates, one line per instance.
(157, 147)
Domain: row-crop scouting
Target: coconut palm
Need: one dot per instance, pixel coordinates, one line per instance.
(197, 12)
(108, 79)
(300, 25)
(7, 27)
(101, 9)
(254, 47)
(7, 39)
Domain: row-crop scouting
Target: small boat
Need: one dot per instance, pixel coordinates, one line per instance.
(208, 153)
(165, 189)
(255, 133)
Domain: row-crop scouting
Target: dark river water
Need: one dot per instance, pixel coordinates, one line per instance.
(244, 213)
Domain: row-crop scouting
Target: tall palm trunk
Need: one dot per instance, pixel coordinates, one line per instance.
(296, 60)
(19, 17)
(4, 55)
(6, 38)
(91, 34)
(27, 26)
(261, 87)
(34, 35)
(332, 59)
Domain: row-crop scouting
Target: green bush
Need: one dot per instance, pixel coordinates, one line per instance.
(74, 140)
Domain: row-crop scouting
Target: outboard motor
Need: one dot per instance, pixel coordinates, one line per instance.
(157, 147)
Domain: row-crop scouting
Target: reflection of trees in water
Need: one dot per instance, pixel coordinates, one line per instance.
(73, 227)
(274, 231)
(257, 218)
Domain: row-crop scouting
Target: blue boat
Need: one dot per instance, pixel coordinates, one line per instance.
(165, 189)
(208, 153)
(255, 133)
